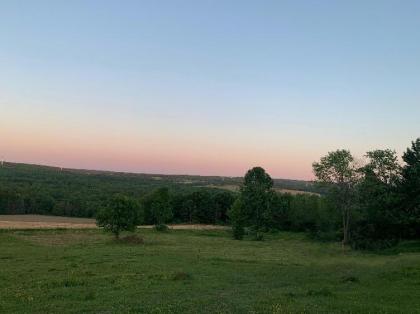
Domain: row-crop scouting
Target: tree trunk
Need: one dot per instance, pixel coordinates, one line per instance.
(346, 225)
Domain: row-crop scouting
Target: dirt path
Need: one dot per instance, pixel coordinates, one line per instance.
(44, 222)
(52, 222)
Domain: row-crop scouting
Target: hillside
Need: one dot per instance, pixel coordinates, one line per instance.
(38, 189)
(16, 173)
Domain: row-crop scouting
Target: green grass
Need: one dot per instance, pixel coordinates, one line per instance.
(75, 271)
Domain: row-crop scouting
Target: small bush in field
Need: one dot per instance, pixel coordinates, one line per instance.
(181, 276)
(324, 292)
(161, 227)
(132, 239)
(238, 232)
(350, 279)
(259, 236)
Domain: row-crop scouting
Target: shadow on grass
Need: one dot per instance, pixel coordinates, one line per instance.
(403, 247)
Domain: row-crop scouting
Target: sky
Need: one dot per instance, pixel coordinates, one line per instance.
(206, 87)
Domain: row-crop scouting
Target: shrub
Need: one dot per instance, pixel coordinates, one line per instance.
(181, 276)
(238, 232)
(259, 236)
(132, 239)
(161, 227)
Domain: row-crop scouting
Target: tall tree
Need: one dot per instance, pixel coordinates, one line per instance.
(339, 173)
(383, 165)
(237, 219)
(378, 219)
(161, 207)
(256, 194)
(410, 188)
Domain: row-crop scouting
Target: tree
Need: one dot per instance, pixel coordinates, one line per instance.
(121, 214)
(238, 219)
(161, 208)
(222, 202)
(378, 220)
(410, 188)
(256, 195)
(339, 173)
(383, 165)
(188, 207)
(204, 207)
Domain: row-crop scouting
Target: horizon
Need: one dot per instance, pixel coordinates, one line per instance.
(208, 88)
(140, 173)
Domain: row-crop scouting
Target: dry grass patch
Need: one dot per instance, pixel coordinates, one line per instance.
(59, 237)
(44, 222)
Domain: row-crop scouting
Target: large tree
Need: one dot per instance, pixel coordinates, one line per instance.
(383, 165)
(256, 195)
(378, 219)
(339, 173)
(121, 214)
(410, 188)
(161, 207)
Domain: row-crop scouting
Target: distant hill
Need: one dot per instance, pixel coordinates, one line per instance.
(34, 189)
(19, 173)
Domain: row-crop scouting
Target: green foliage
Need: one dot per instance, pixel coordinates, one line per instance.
(32, 189)
(410, 190)
(237, 219)
(254, 207)
(161, 227)
(159, 206)
(377, 218)
(339, 173)
(203, 206)
(383, 165)
(380, 201)
(121, 214)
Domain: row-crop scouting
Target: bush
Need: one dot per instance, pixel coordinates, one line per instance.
(372, 244)
(181, 276)
(132, 239)
(161, 227)
(259, 236)
(238, 232)
(372, 236)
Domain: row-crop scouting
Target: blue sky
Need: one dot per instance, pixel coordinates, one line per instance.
(206, 87)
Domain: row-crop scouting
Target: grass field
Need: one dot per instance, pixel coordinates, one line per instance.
(235, 188)
(186, 271)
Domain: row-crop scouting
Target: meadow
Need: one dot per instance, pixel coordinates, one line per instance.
(191, 271)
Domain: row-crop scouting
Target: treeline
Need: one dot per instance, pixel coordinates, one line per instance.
(160, 207)
(32, 189)
(370, 205)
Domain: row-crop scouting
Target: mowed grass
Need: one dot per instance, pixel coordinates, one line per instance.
(82, 271)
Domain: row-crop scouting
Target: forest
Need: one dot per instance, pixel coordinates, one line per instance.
(33, 189)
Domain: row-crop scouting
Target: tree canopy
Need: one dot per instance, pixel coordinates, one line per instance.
(121, 214)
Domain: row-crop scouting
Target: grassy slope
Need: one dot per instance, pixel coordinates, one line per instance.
(73, 271)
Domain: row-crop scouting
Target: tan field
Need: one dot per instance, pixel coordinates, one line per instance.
(235, 188)
(53, 222)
